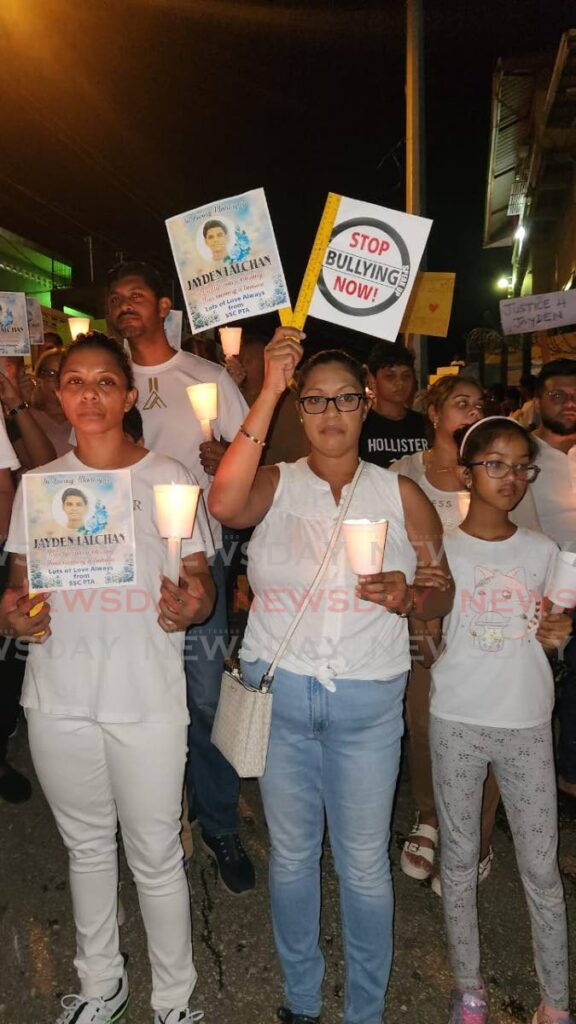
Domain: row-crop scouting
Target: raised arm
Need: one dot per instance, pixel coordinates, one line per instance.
(36, 448)
(242, 494)
(424, 530)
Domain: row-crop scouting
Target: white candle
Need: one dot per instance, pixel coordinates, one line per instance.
(204, 401)
(562, 586)
(78, 325)
(231, 338)
(176, 506)
(463, 502)
(365, 541)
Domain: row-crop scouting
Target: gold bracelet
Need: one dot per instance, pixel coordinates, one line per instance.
(251, 437)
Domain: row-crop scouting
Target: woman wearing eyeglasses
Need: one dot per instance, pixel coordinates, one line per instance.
(337, 712)
(491, 703)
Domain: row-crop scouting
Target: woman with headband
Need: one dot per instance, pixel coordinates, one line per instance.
(453, 402)
(491, 703)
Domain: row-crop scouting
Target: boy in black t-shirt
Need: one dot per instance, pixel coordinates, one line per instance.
(391, 430)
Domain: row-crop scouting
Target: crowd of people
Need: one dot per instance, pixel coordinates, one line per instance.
(455, 634)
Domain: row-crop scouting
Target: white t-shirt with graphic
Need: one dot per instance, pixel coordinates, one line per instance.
(494, 671)
(108, 659)
(170, 424)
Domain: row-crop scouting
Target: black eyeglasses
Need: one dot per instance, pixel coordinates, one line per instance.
(314, 404)
(561, 397)
(498, 470)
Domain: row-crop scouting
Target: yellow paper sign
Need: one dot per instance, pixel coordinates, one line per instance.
(430, 305)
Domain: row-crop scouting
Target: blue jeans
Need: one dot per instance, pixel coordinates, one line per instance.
(212, 784)
(334, 754)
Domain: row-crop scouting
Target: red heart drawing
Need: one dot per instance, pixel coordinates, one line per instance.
(433, 306)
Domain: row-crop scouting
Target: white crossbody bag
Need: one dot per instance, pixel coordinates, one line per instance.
(241, 729)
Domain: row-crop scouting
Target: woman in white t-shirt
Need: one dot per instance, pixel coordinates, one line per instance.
(491, 703)
(105, 701)
(337, 712)
(452, 402)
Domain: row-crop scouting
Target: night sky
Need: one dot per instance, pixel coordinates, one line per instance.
(120, 113)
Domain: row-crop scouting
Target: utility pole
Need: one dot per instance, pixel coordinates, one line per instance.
(415, 135)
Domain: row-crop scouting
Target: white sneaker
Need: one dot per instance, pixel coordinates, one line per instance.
(80, 1010)
(178, 1017)
(484, 869)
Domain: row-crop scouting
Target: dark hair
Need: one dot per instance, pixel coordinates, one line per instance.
(331, 355)
(133, 425)
(73, 492)
(47, 354)
(439, 392)
(96, 340)
(56, 339)
(214, 224)
(137, 268)
(486, 433)
(389, 353)
(555, 368)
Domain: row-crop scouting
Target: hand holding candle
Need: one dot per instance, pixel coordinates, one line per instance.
(176, 506)
(204, 401)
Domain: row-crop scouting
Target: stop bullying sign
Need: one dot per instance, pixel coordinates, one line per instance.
(369, 267)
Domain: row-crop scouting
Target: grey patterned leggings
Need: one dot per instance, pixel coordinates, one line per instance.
(523, 764)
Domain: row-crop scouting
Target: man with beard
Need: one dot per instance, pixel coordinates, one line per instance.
(554, 493)
(137, 307)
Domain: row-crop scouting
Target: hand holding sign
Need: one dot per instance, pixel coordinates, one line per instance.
(281, 357)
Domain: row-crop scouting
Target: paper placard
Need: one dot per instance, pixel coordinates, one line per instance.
(227, 260)
(369, 267)
(173, 328)
(79, 530)
(56, 321)
(430, 305)
(35, 323)
(538, 312)
(14, 336)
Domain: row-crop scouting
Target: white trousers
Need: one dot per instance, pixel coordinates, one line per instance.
(94, 775)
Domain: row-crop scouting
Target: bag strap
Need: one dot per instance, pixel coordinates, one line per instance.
(267, 678)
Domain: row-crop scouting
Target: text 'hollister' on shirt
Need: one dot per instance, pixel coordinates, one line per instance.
(383, 440)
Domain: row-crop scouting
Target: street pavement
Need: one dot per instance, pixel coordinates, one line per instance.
(239, 981)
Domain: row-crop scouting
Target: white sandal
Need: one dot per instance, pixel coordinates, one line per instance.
(412, 848)
(484, 869)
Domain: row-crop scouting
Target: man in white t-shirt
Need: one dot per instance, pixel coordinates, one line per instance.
(554, 492)
(137, 307)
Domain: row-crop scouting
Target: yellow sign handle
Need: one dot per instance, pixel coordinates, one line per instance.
(297, 318)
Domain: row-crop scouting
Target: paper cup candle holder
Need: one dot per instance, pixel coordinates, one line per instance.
(231, 338)
(365, 540)
(562, 585)
(204, 401)
(176, 506)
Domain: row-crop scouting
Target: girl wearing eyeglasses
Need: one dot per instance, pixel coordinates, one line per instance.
(337, 713)
(452, 403)
(491, 703)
